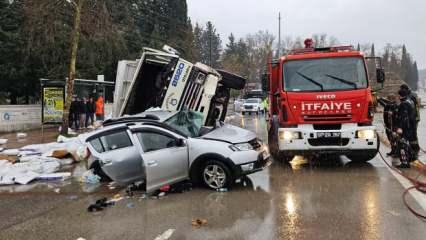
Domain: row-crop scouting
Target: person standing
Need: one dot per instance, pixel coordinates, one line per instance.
(389, 117)
(406, 128)
(73, 108)
(414, 99)
(83, 112)
(100, 109)
(90, 112)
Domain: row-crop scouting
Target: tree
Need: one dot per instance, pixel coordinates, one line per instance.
(75, 38)
(211, 46)
(372, 52)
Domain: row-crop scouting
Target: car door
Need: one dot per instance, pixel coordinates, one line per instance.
(118, 155)
(165, 156)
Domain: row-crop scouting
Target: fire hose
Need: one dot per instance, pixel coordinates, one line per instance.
(417, 185)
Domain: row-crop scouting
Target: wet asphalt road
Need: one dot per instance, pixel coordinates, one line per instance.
(320, 199)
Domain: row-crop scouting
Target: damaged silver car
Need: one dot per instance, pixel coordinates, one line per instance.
(162, 148)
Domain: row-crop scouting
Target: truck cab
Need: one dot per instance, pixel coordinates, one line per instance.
(321, 102)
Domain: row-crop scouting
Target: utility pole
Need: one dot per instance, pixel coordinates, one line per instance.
(279, 34)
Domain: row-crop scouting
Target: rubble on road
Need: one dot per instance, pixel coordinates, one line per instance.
(39, 161)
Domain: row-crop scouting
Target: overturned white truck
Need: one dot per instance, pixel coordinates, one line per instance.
(160, 78)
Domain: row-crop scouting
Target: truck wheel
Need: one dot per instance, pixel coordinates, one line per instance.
(362, 156)
(216, 174)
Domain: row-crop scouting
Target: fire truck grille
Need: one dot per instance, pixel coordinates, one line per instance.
(316, 142)
(327, 118)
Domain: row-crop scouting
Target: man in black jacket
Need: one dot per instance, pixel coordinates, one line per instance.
(406, 128)
(413, 97)
(390, 113)
(73, 116)
(90, 112)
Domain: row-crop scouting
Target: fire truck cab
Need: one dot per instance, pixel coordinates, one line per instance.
(321, 103)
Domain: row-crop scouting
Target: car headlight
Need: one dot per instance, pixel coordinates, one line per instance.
(241, 147)
(366, 134)
(289, 135)
(247, 167)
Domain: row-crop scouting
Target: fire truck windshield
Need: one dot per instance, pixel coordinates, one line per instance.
(325, 74)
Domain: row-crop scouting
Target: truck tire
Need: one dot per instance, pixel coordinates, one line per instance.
(361, 157)
(364, 156)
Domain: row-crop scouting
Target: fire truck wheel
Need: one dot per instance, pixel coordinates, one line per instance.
(362, 156)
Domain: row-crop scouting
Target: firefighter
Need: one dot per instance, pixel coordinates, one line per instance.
(390, 117)
(406, 128)
(413, 97)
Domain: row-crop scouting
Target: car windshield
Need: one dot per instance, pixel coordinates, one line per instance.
(188, 122)
(325, 74)
(252, 101)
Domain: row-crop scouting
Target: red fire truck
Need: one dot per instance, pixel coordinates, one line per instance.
(321, 103)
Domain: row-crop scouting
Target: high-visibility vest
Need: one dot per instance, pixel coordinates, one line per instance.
(100, 106)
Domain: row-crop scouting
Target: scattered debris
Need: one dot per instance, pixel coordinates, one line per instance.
(3, 141)
(222, 190)
(21, 135)
(60, 176)
(199, 222)
(57, 190)
(166, 235)
(11, 152)
(165, 188)
(130, 205)
(72, 197)
(90, 177)
(100, 205)
(80, 238)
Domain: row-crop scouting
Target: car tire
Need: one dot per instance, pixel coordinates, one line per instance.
(215, 175)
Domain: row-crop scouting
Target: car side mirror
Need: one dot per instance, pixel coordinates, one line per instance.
(265, 82)
(180, 142)
(380, 75)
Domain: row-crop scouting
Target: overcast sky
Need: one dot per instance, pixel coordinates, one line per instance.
(350, 21)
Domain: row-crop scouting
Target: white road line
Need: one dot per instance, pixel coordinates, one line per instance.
(419, 197)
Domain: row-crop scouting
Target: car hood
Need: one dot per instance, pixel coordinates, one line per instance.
(231, 134)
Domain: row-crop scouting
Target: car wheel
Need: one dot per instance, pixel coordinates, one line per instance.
(216, 174)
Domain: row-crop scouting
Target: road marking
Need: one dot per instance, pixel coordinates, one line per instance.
(419, 197)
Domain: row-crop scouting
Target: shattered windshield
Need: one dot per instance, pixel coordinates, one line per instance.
(188, 122)
(325, 74)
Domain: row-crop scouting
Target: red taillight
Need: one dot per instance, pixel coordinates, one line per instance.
(87, 153)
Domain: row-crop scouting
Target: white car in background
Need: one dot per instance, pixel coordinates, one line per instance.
(252, 105)
(238, 103)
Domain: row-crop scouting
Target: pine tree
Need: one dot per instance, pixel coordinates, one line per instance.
(372, 52)
(415, 76)
(211, 46)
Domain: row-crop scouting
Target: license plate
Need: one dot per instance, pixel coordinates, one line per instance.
(329, 135)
